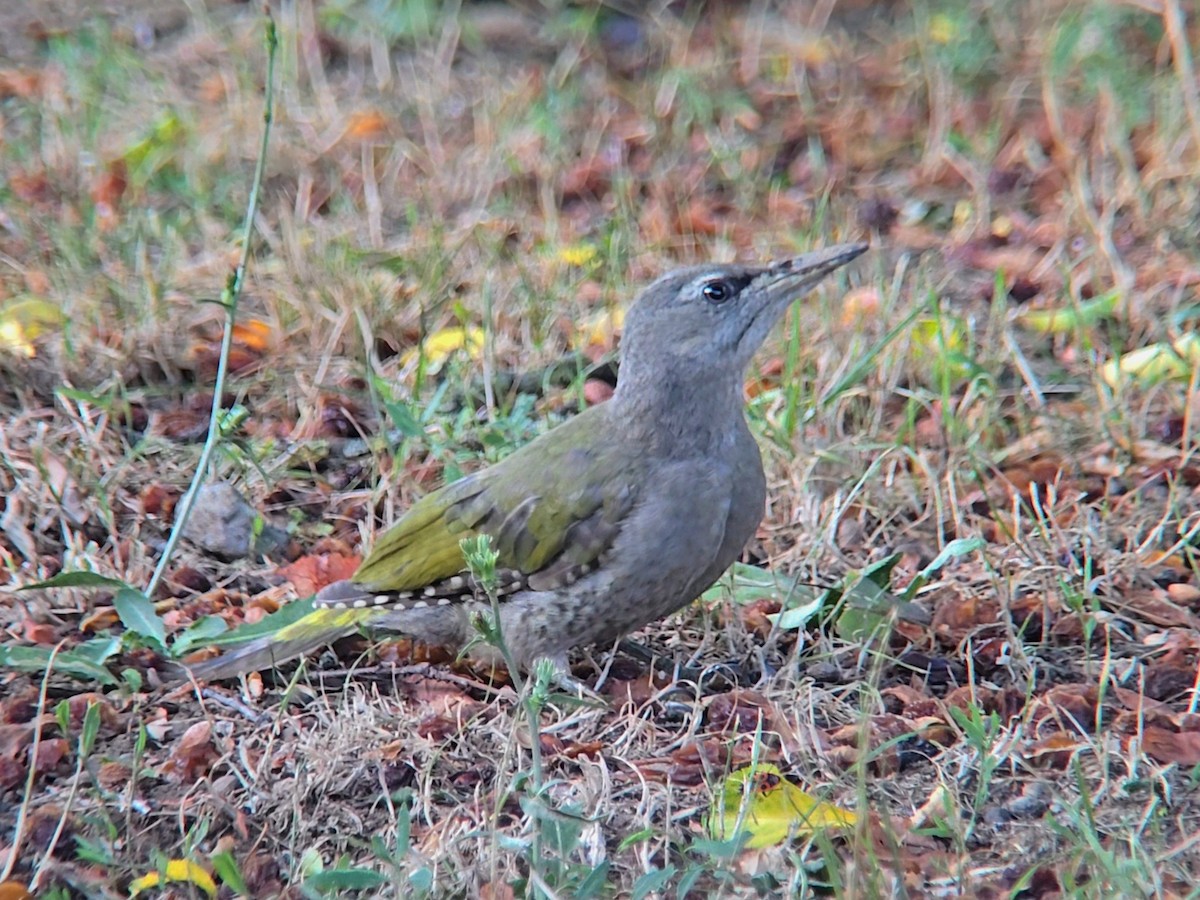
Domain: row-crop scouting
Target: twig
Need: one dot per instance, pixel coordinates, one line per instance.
(424, 670)
(233, 703)
(23, 810)
(229, 300)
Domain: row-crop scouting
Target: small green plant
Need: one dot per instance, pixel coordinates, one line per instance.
(556, 832)
(982, 733)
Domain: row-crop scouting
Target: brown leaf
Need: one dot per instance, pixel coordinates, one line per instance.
(260, 871)
(183, 425)
(702, 217)
(38, 632)
(860, 307)
(407, 652)
(880, 730)
(192, 755)
(14, 890)
(1171, 747)
(25, 84)
(496, 890)
(1137, 702)
(588, 179)
(969, 696)
(636, 691)
(102, 617)
(19, 707)
(756, 615)
(956, 616)
(1069, 706)
(113, 776)
(1184, 594)
(107, 191)
(309, 574)
(12, 772)
(158, 500)
(78, 705)
(1153, 605)
(576, 749)
(739, 712)
(254, 335)
(50, 752)
(1165, 682)
(1055, 749)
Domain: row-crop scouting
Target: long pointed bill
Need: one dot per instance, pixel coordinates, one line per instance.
(782, 282)
(791, 278)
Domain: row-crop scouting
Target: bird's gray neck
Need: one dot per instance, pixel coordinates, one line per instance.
(671, 413)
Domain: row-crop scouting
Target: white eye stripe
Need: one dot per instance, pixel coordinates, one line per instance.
(698, 284)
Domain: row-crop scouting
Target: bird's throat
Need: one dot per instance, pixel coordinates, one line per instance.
(680, 416)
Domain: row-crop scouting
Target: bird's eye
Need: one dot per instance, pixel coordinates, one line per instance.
(717, 291)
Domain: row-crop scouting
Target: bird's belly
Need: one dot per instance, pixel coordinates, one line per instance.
(671, 548)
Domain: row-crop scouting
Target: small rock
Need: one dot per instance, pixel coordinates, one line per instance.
(825, 673)
(222, 522)
(1033, 802)
(997, 816)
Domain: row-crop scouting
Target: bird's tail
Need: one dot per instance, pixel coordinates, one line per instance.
(321, 626)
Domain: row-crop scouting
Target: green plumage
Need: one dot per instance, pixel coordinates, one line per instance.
(555, 503)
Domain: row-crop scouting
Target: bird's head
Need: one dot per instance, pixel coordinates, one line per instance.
(714, 317)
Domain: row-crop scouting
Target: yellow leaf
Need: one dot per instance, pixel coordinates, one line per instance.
(157, 147)
(1072, 318)
(942, 29)
(1147, 365)
(600, 330)
(812, 52)
(1002, 226)
(23, 320)
(941, 345)
(963, 210)
(775, 809)
(177, 870)
(439, 345)
(577, 255)
(1188, 346)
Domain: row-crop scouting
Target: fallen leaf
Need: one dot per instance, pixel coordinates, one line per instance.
(23, 83)
(192, 755)
(438, 346)
(775, 809)
(309, 574)
(1055, 750)
(1165, 746)
(24, 320)
(1070, 319)
(254, 335)
(177, 870)
(860, 307)
(369, 125)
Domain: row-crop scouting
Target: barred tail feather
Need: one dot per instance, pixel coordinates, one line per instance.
(319, 627)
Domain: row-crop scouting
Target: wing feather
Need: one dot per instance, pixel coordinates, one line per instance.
(552, 508)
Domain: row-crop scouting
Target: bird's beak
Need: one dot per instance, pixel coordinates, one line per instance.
(777, 285)
(788, 279)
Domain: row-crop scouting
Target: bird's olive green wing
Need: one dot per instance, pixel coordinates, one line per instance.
(551, 509)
